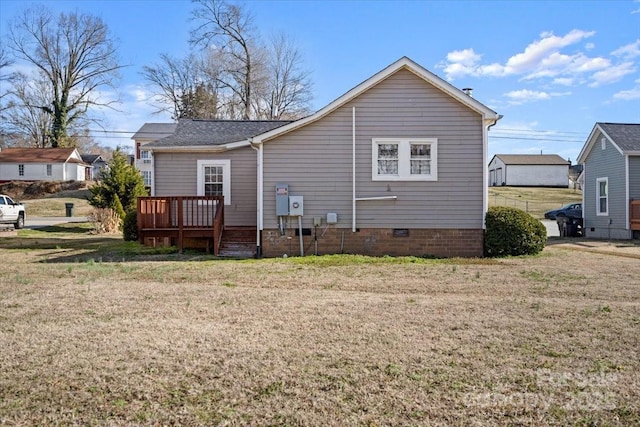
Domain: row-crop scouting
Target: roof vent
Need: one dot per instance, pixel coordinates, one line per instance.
(468, 91)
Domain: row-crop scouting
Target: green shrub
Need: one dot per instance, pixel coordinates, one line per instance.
(511, 231)
(130, 226)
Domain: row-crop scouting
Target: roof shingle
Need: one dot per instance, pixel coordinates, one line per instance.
(37, 155)
(532, 159)
(215, 132)
(625, 135)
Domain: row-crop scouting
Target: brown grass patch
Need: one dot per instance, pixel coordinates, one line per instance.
(548, 340)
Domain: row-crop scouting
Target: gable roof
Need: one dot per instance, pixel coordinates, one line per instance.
(403, 63)
(91, 158)
(624, 136)
(38, 155)
(206, 133)
(155, 131)
(532, 159)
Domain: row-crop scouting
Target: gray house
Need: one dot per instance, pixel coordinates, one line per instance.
(611, 159)
(394, 166)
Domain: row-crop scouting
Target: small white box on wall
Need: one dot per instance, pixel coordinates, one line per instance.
(332, 218)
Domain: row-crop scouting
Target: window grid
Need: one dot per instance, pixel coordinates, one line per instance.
(404, 159)
(21, 170)
(213, 181)
(49, 170)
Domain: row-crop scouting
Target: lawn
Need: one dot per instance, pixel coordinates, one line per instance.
(535, 200)
(93, 333)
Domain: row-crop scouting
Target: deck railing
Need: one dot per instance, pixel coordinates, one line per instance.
(634, 215)
(182, 217)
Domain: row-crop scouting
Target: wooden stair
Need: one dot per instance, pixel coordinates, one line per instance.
(238, 242)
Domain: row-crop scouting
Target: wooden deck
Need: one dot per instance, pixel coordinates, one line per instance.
(634, 215)
(181, 221)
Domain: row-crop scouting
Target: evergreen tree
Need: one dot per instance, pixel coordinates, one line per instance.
(120, 187)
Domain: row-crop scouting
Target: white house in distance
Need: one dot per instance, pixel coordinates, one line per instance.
(148, 133)
(43, 164)
(529, 170)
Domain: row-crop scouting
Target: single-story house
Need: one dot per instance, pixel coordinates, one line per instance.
(97, 163)
(142, 158)
(529, 170)
(611, 188)
(43, 164)
(394, 166)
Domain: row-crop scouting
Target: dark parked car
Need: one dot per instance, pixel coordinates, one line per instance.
(572, 210)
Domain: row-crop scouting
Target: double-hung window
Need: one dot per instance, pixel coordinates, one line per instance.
(214, 179)
(146, 177)
(49, 170)
(404, 159)
(21, 170)
(145, 155)
(602, 196)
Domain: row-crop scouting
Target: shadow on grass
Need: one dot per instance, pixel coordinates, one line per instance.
(67, 228)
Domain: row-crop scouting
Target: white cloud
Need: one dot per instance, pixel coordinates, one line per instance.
(536, 52)
(519, 97)
(630, 94)
(612, 74)
(628, 51)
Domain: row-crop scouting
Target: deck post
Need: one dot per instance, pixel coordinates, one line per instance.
(180, 225)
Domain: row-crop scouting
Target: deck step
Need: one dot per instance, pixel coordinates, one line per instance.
(238, 242)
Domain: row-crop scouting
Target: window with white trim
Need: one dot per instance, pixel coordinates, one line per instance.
(404, 159)
(214, 179)
(602, 196)
(146, 177)
(145, 155)
(21, 170)
(49, 170)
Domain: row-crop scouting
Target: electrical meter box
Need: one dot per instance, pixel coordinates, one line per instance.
(295, 206)
(282, 199)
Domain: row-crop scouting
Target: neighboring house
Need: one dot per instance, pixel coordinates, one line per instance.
(142, 158)
(42, 164)
(611, 159)
(575, 172)
(394, 166)
(529, 170)
(97, 163)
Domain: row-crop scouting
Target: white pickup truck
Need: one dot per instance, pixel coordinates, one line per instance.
(11, 212)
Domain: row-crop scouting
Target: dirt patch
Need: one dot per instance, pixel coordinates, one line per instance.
(25, 190)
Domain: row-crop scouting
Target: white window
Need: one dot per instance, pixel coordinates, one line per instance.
(145, 155)
(404, 159)
(602, 196)
(146, 177)
(214, 179)
(49, 170)
(21, 170)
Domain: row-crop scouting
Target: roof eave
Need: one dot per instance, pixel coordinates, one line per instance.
(202, 148)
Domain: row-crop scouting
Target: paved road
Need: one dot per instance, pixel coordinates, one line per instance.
(39, 222)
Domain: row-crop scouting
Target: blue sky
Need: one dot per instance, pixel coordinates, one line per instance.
(552, 69)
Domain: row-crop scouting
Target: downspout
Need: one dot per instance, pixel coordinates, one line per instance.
(628, 196)
(485, 167)
(153, 173)
(353, 170)
(260, 201)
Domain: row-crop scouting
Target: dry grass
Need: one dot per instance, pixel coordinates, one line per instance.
(55, 205)
(533, 199)
(548, 340)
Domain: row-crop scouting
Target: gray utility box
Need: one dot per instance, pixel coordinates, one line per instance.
(296, 207)
(282, 199)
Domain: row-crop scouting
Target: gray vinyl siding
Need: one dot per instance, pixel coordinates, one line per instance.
(316, 160)
(634, 177)
(608, 163)
(176, 175)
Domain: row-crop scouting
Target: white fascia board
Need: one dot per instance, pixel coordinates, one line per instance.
(591, 141)
(489, 116)
(201, 148)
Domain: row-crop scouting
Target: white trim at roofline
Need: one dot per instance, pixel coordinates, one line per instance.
(582, 157)
(204, 148)
(489, 116)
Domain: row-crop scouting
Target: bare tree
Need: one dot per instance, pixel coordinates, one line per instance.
(186, 88)
(229, 29)
(27, 114)
(287, 93)
(74, 54)
(5, 77)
